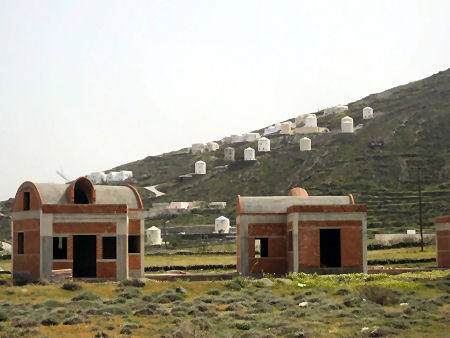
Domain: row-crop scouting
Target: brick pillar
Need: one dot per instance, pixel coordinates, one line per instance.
(443, 241)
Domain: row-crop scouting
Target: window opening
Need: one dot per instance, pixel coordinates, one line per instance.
(134, 242)
(26, 200)
(109, 248)
(59, 247)
(261, 247)
(20, 243)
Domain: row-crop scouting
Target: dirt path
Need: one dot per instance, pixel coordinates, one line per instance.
(153, 190)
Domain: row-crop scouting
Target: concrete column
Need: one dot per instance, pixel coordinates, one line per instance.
(122, 249)
(243, 237)
(46, 246)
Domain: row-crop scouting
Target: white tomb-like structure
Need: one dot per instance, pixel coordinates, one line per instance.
(367, 113)
(229, 154)
(251, 137)
(305, 144)
(286, 128)
(335, 110)
(222, 225)
(263, 144)
(212, 146)
(197, 148)
(153, 236)
(237, 138)
(347, 124)
(200, 168)
(249, 154)
(311, 121)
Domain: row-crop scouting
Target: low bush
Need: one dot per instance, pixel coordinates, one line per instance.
(71, 286)
(133, 282)
(379, 295)
(242, 325)
(88, 295)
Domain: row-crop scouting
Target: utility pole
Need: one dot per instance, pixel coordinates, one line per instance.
(419, 183)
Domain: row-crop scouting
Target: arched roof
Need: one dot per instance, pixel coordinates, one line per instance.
(54, 193)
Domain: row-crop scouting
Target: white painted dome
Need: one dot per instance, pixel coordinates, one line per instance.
(222, 225)
(311, 121)
(153, 235)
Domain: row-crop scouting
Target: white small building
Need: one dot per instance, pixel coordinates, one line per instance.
(335, 110)
(272, 129)
(197, 148)
(347, 124)
(367, 113)
(97, 177)
(124, 175)
(311, 121)
(305, 144)
(237, 138)
(200, 168)
(212, 146)
(226, 139)
(251, 137)
(222, 225)
(249, 154)
(113, 176)
(286, 128)
(153, 236)
(263, 144)
(229, 154)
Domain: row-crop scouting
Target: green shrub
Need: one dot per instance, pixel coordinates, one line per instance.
(71, 286)
(379, 295)
(88, 295)
(213, 292)
(242, 325)
(133, 282)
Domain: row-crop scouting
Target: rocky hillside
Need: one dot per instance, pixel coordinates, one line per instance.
(378, 164)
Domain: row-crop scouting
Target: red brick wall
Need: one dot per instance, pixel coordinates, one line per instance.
(29, 261)
(134, 261)
(84, 228)
(351, 243)
(134, 227)
(443, 248)
(351, 247)
(267, 265)
(106, 270)
(58, 265)
(34, 198)
(309, 248)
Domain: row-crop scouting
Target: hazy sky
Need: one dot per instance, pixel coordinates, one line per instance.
(89, 85)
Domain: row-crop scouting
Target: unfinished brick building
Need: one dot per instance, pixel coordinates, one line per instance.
(300, 233)
(97, 231)
(443, 241)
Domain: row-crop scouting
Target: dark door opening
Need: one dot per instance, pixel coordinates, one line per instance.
(330, 248)
(84, 256)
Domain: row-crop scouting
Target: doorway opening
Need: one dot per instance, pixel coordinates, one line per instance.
(84, 256)
(330, 248)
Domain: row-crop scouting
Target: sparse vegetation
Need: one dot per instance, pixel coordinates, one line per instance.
(412, 304)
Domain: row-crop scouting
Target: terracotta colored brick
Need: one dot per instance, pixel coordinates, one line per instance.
(351, 248)
(309, 250)
(84, 228)
(84, 208)
(443, 259)
(277, 247)
(443, 240)
(134, 227)
(267, 265)
(58, 265)
(134, 261)
(106, 269)
(267, 229)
